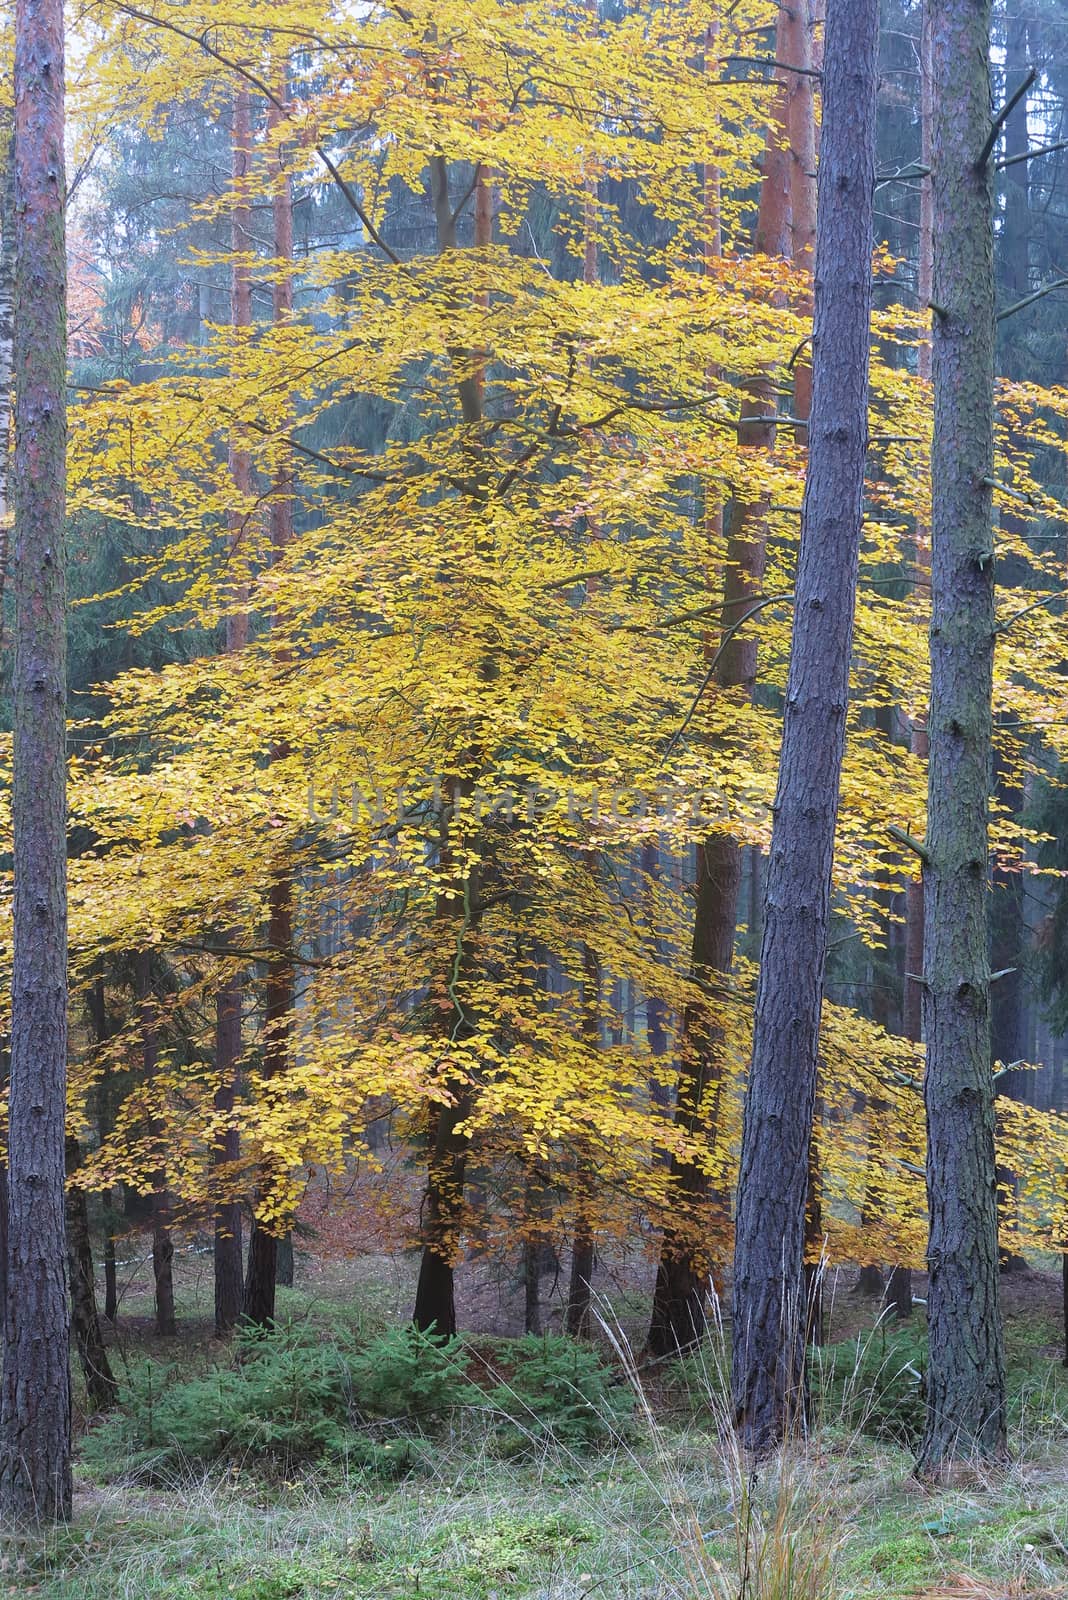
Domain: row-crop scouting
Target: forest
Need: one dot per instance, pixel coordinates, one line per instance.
(534, 799)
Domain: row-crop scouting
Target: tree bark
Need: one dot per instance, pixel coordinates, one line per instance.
(899, 1287)
(7, 331)
(966, 1377)
(768, 1305)
(678, 1316)
(100, 1384)
(35, 1476)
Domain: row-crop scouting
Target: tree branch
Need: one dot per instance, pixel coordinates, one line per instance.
(770, 600)
(1029, 299)
(1002, 117)
(1030, 155)
(915, 845)
(1036, 605)
(257, 83)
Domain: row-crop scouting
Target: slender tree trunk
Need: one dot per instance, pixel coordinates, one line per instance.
(966, 1377)
(768, 1307)
(100, 1384)
(270, 1256)
(443, 1199)
(162, 1243)
(35, 1476)
(98, 1016)
(899, 1287)
(261, 1277)
(7, 351)
(678, 1316)
(111, 1275)
(227, 1229)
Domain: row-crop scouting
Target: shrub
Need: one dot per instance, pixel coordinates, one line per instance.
(559, 1389)
(405, 1374)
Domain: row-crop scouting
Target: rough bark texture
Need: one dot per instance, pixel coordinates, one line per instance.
(966, 1379)
(7, 352)
(768, 1305)
(35, 1478)
(678, 1316)
(899, 1287)
(100, 1384)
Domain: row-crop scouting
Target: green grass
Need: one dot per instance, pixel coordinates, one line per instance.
(652, 1514)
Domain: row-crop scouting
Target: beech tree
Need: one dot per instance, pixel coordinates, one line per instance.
(768, 1343)
(966, 1377)
(35, 1478)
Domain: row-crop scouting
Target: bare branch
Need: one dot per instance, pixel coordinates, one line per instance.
(1002, 117)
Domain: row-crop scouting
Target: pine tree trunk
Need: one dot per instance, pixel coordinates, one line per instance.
(966, 1378)
(7, 352)
(35, 1477)
(100, 1384)
(683, 1272)
(899, 1286)
(768, 1306)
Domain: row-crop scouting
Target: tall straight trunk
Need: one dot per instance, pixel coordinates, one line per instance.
(227, 1229)
(678, 1316)
(229, 1286)
(768, 1339)
(966, 1376)
(899, 1286)
(7, 332)
(100, 1384)
(264, 1246)
(443, 1198)
(35, 1476)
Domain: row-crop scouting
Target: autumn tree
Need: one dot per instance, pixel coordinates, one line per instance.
(768, 1318)
(35, 1481)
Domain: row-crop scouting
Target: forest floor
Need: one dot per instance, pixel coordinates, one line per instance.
(659, 1509)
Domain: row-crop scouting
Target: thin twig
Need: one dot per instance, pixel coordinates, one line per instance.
(770, 600)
